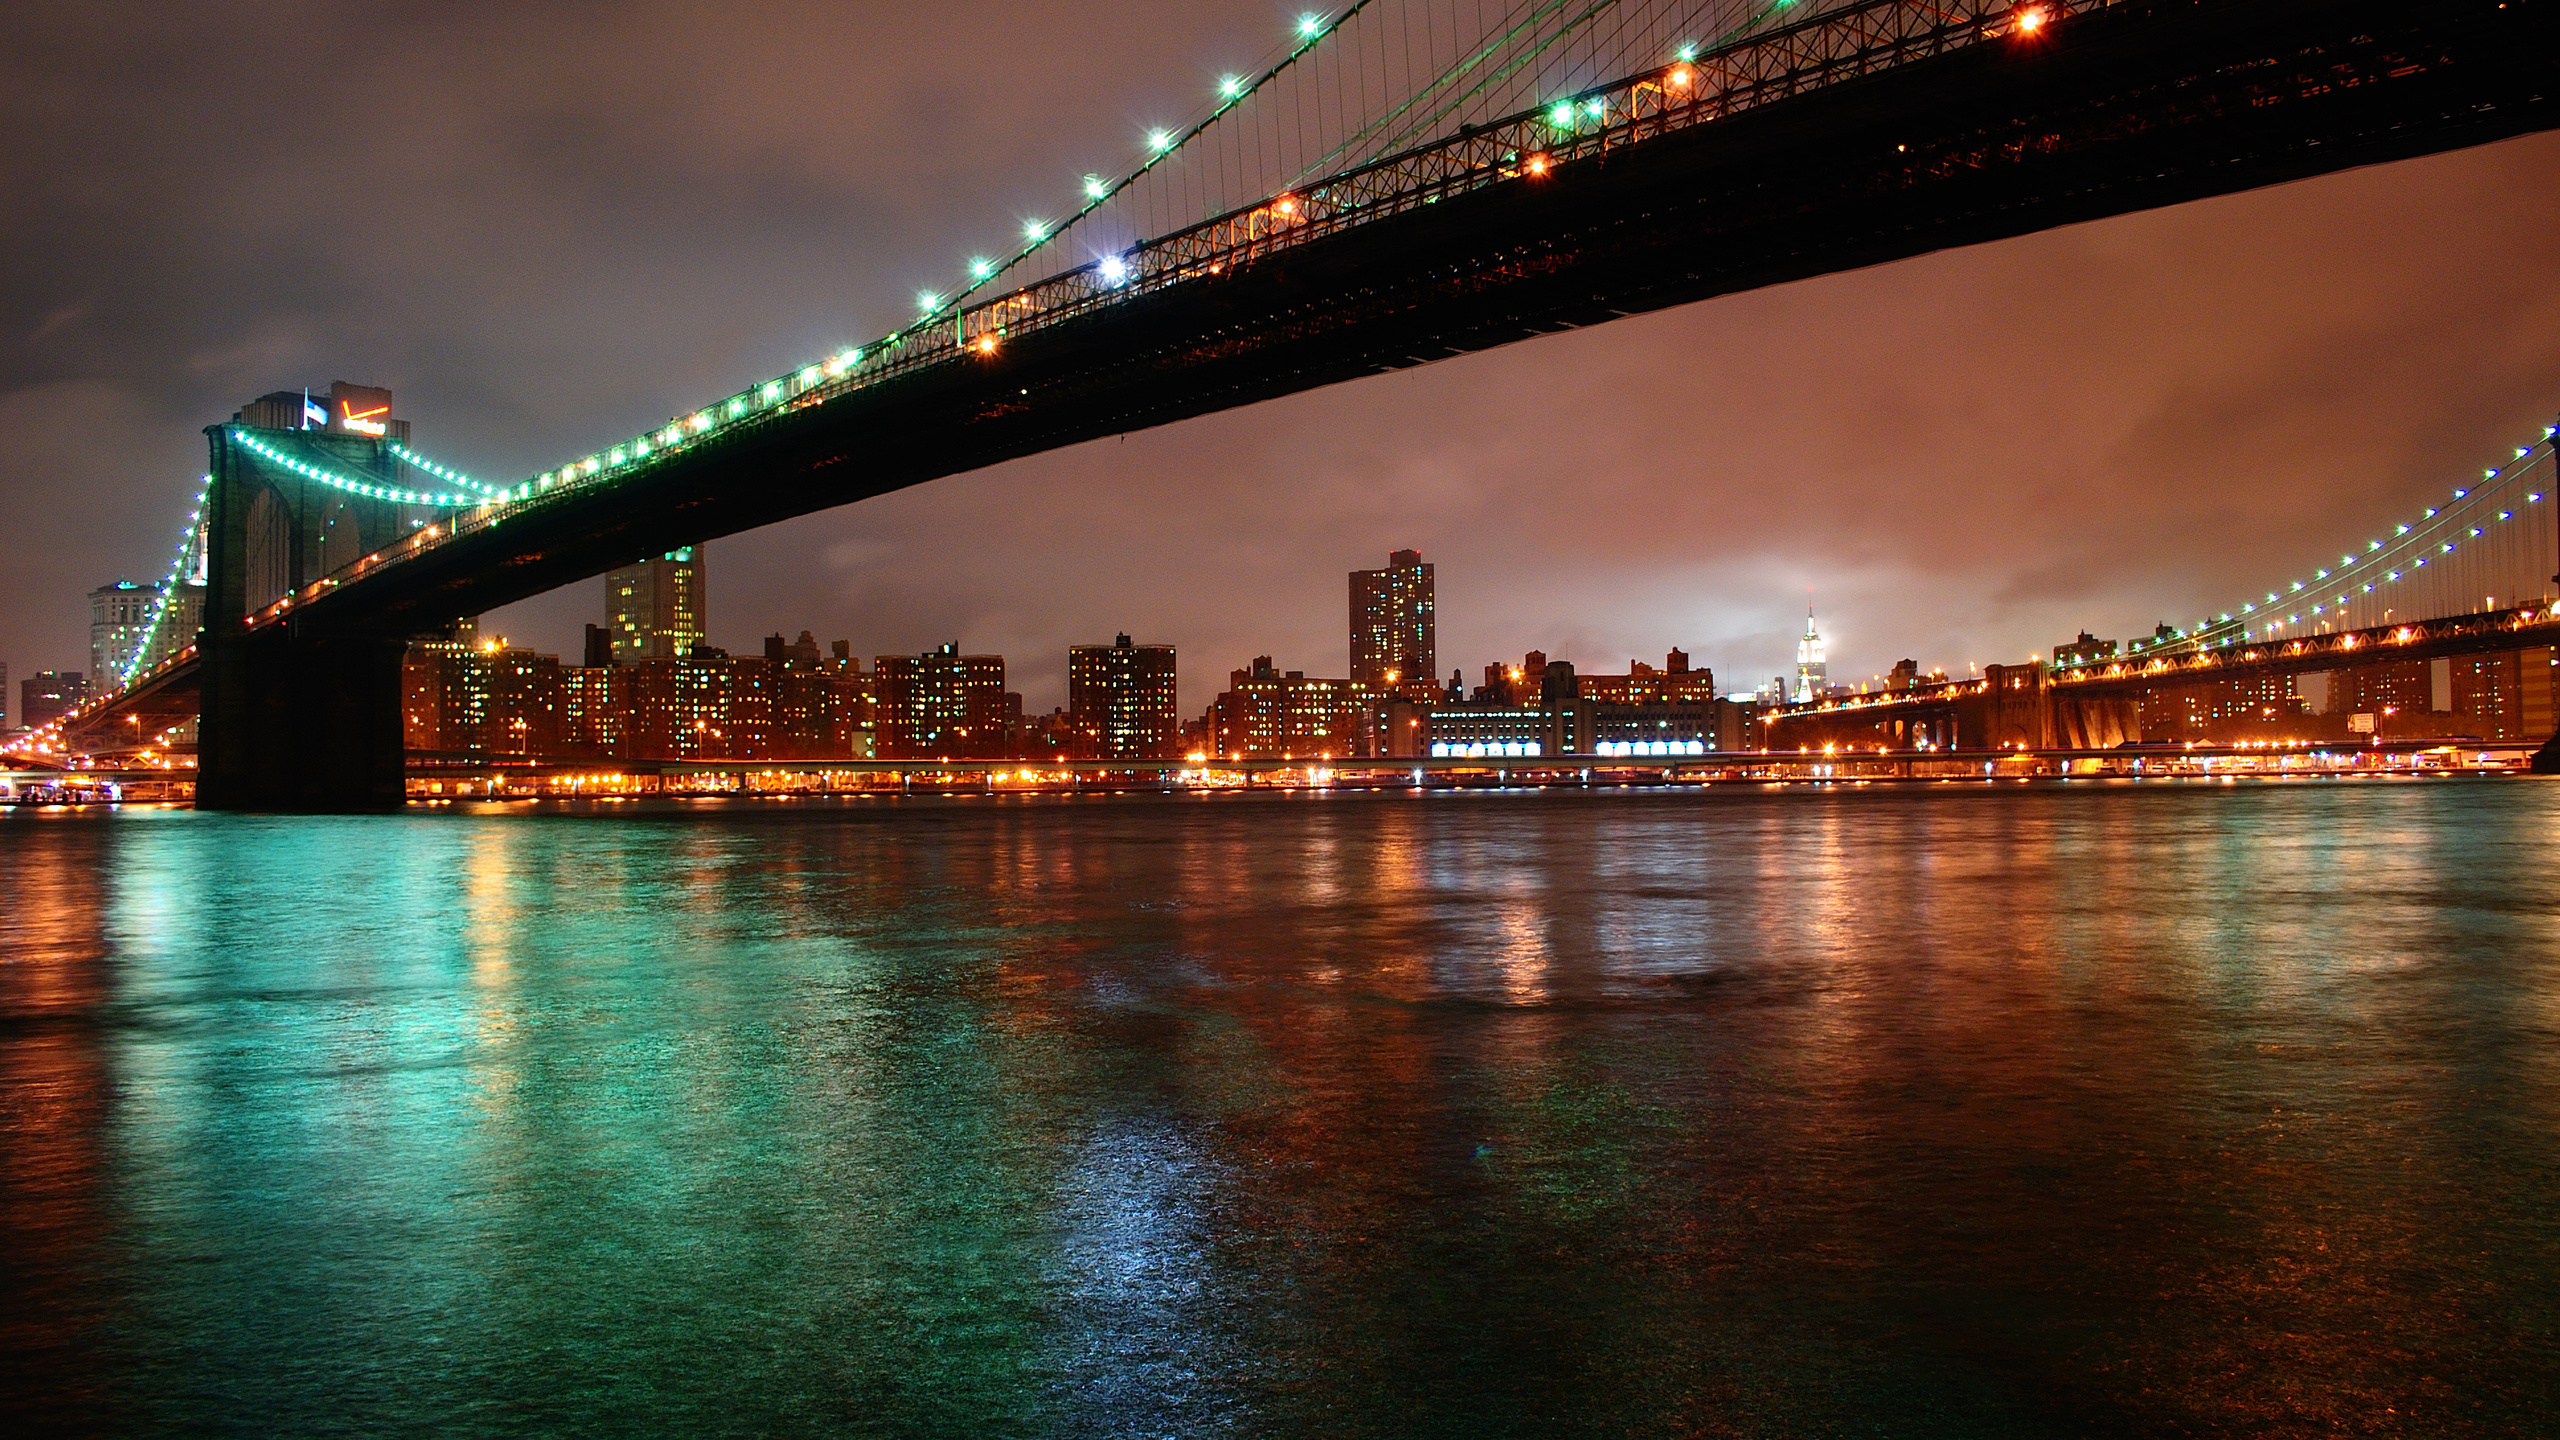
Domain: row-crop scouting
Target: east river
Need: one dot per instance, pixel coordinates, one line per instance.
(2098, 1109)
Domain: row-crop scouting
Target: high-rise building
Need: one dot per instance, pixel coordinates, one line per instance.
(1392, 628)
(821, 704)
(178, 627)
(2504, 696)
(466, 695)
(129, 632)
(2399, 687)
(1268, 713)
(45, 695)
(943, 703)
(595, 711)
(687, 709)
(1813, 676)
(659, 609)
(119, 620)
(1120, 700)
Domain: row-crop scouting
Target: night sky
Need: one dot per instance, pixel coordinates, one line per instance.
(549, 227)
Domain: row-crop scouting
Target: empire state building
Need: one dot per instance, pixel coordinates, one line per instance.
(1813, 677)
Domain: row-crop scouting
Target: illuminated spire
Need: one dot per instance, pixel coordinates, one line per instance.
(1813, 676)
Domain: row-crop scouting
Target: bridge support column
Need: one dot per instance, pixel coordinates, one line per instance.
(2546, 761)
(294, 724)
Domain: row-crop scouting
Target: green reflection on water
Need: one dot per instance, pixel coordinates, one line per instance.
(2020, 1112)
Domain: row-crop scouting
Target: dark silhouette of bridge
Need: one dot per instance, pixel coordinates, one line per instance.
(1857, 134)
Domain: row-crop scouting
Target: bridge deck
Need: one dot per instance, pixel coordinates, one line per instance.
(2137, 104)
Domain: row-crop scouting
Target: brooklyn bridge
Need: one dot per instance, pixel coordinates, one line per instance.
(1388, 193)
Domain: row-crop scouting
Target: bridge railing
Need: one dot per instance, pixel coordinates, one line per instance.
(1824, 49)
(1827, 47)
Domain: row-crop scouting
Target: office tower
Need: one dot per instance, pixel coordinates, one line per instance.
(659, 609)
(1391, 623)
(1120, 700)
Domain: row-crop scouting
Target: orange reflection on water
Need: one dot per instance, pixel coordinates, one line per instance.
(56, 1100)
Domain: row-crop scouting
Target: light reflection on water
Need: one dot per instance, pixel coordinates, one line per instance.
(1949, 1111)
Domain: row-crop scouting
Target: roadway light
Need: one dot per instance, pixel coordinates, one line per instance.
(1310, 25)
(1160, 139)
(1095, 187)
(1114, 270)
(1035, 231)
(1230, 86)
(928, 302)
(980, 269)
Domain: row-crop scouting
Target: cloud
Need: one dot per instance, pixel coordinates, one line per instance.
(57, 319)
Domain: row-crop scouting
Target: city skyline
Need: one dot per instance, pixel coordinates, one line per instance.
(2252, 375)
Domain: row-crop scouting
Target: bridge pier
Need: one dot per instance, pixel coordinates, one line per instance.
(296, 718)
(296, 724)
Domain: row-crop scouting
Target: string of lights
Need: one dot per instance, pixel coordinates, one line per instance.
(335, 481)
(2480, 516)
(937, 309)
(453, 477)
(187, 545)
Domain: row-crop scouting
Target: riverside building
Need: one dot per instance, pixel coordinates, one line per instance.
(1121, 702)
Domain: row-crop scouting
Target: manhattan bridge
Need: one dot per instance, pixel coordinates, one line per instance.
(1397, 182)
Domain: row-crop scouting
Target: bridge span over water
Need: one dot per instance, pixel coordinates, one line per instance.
(1583, 164)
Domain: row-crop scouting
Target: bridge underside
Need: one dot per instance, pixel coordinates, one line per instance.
(2137, 106)
(136, 717)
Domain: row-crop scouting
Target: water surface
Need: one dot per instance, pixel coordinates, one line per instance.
(1958, 1111)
